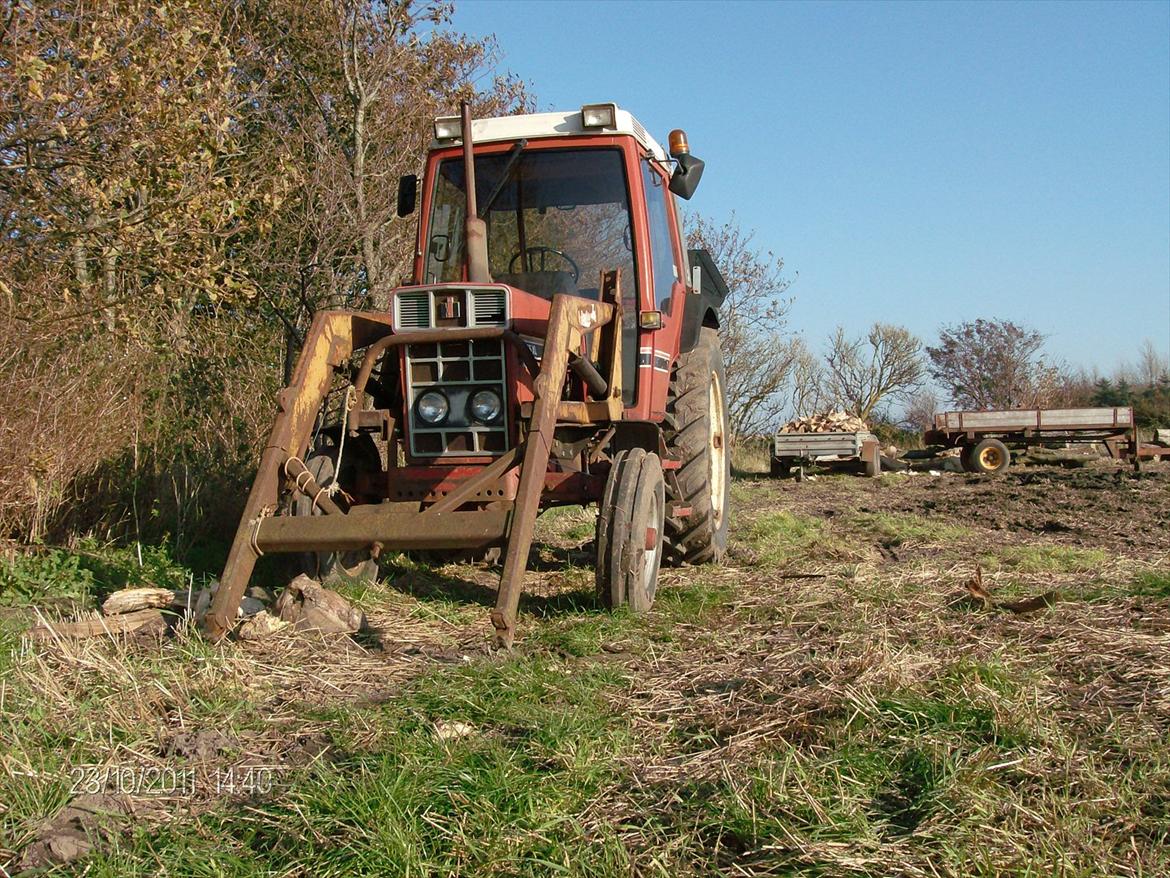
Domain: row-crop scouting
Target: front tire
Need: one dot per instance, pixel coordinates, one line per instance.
(696, 433)
(630, 531)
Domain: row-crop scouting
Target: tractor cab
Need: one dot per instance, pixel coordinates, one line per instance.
(562, 198)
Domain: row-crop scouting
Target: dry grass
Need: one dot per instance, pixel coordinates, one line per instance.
(831, 702)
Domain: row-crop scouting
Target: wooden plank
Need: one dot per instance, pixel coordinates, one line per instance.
(140, 621)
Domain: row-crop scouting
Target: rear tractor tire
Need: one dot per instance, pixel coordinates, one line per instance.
(696, 433)
(990, 456)
(630, 531)
(360, 455)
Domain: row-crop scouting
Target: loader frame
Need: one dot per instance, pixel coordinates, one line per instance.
(461, 518)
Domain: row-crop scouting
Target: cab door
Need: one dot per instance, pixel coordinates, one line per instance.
(658, 347)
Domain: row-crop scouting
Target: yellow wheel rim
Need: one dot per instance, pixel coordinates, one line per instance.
(990, 458)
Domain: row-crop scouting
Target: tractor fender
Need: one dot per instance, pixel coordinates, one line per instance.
(702, 304)
(627, 435)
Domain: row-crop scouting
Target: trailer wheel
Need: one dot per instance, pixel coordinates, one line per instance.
(361, 454)
(630, 531)
(990, 456)
(696, 432)
(965, 459)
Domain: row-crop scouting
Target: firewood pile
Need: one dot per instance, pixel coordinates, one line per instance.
(145, 612)
(826, 422)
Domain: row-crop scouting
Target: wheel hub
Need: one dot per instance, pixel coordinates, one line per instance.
(717, 456)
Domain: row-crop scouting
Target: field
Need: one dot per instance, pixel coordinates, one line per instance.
(844, 697)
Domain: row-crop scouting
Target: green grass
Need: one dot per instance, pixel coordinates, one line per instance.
(781, 537)
(900, 528)
(84, 575)
(751, 724)
(1153, 583)
(1044, 559)
(506, 798)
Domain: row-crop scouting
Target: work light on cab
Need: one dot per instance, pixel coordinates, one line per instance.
(448, 128)
(599, 116)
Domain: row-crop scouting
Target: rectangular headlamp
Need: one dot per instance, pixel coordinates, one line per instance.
(599, 116)
(448, 128)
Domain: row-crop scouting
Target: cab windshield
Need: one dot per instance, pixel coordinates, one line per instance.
(559, 218)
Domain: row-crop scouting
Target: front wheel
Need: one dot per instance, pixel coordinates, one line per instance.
(696, 433)
(630, 531)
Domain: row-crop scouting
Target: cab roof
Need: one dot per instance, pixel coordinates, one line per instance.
(558, 124)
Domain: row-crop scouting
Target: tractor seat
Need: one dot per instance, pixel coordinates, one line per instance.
(545, 284)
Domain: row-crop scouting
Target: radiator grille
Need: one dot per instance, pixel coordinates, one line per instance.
(489, 307)
(473, 306)
(457, 369)
(413, 310)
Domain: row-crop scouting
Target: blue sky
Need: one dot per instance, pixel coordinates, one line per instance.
(917, 163)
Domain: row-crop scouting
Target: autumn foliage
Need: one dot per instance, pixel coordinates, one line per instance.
(183, 185)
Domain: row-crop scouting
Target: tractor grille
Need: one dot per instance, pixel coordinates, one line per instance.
(439, 307)
(489, 307)
(457, 369)
(413, 310)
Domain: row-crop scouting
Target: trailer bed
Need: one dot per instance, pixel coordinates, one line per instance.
(793, 449)
(1037, 420)
(994, 432)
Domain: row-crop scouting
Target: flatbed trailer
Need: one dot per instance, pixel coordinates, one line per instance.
(986, 438)
(795, 450)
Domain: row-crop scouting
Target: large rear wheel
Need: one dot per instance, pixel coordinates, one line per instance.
(696, 433)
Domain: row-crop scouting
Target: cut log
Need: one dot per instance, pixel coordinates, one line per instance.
(260, 626)
(309, 606)
(130, 599)
(148, 621)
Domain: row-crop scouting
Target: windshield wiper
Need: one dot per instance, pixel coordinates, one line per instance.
(505, 176)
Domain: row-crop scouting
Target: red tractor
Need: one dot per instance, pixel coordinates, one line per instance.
(557, 345)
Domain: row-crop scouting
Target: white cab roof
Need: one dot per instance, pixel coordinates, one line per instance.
(559, 124)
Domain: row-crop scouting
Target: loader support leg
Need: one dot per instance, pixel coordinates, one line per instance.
(568, 318)
(330, 342)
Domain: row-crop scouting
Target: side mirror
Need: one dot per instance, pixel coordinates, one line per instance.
(407, 194)
(440, 250)
(687, 173)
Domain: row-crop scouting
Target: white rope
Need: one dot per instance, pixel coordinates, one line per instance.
(253, 544)
(335, 486)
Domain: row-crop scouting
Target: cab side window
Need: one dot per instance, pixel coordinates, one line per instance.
(661, 248)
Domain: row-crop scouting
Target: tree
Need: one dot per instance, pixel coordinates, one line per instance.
(807, 381)
(861, 372)
(756, 349)
(182, 184)
(921, 408)
(1152, 366)
(991, 364)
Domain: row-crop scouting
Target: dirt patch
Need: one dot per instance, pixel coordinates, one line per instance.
(1104, 506)
(74, 831)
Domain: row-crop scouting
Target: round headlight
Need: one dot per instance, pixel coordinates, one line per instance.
(486, 406)
(432, 407)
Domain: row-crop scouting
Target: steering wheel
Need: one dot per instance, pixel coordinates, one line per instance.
(544, 251)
